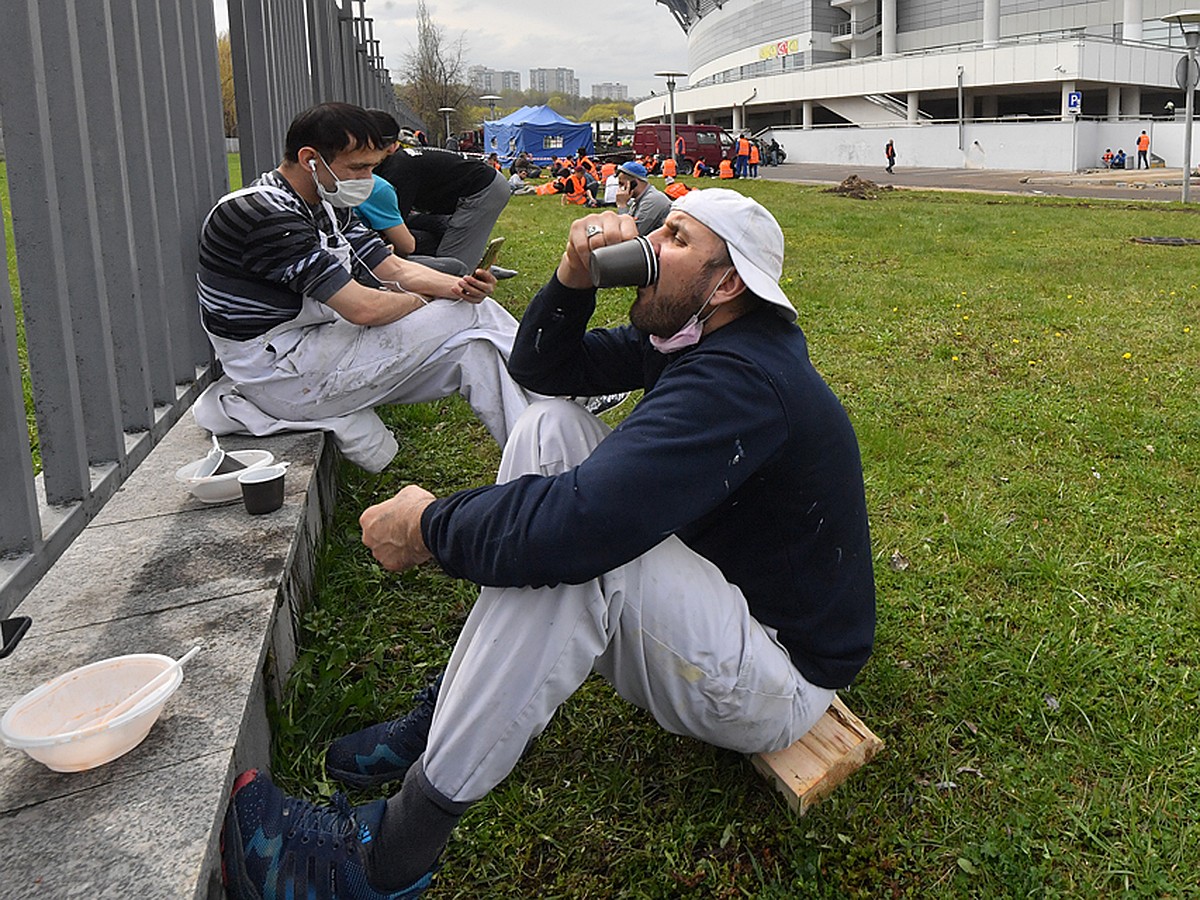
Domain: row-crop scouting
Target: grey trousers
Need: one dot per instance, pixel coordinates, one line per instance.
(666, 630)
(472, 221)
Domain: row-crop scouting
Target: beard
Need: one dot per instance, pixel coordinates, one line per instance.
(662, 311)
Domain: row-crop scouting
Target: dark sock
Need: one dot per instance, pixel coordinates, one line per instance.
(413, 833)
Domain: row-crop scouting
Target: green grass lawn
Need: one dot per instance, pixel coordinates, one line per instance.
(1023, 381)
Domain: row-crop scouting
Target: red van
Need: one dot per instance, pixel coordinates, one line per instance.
(712, 143)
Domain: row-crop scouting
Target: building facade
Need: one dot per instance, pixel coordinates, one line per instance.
(491, 81)
(554, 81)
(610, 90)
(809, 64)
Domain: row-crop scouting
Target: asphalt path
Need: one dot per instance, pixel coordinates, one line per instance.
(1162, 185)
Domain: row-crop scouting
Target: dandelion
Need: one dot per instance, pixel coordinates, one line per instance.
(1016, 340)
(966, 316)
(1187, 329)
(954, 359)
(1126, 356)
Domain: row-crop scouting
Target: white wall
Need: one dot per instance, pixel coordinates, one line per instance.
(1020, 146)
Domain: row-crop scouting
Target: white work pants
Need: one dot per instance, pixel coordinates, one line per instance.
(666, 630)
(319, 365)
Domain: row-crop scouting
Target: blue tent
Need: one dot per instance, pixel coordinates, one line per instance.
(539, 131)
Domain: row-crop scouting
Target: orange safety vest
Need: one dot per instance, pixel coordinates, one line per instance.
(587, 164)
(680, 146)
(607, 169)
(1143, 142)
(676, 189)
(668, 168)
(743, 147)
(754, 154)
(576, 190)
(726, 168)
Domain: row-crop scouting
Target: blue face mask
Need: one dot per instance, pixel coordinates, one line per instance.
(689, 335)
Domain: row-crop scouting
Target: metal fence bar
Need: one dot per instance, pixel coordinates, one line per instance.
(115, 152)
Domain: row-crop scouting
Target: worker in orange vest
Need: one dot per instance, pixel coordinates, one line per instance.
(725, 170)
(609, 168)
(675, 189)
(588, 165)
(668, 168)
(741, 165)
(680, 149)
(753, 160)
(577, 189)
(1143, 147)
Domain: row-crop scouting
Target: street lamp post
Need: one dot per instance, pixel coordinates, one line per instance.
(671, 76)
(445, 111)
(1188, 21)
(490, 100)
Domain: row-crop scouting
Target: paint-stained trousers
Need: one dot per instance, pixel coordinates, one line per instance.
(666, 630)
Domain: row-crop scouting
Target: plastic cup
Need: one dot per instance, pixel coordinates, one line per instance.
(262, 489)
(627, 264)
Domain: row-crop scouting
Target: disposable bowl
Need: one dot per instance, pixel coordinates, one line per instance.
(47, 723)
(221, 488)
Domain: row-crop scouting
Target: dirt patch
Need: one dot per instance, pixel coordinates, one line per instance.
(859, 189)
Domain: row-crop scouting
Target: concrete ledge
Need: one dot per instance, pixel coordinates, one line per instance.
(158, 571)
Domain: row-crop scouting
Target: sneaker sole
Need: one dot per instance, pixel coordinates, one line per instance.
(362, 782)
(241, 888)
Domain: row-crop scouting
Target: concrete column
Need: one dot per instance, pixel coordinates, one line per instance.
(989, 106)
(1132, 28)
(914, 107)
(691, 118)
(991, 23)
(887, 27)
(1114, 103)
(1067, 87)
(808, 115)
(1131, 102)
(737, 119)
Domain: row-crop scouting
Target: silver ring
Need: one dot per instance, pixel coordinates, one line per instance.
(592, 230)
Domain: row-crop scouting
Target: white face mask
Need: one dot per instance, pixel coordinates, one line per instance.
(345, 194)
(692, 329)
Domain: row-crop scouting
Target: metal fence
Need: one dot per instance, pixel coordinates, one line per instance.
(115, 151)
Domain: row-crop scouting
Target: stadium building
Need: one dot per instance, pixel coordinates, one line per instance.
(1013, 84)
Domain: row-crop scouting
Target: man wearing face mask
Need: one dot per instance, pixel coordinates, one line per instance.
(314, 319)
(710, 557)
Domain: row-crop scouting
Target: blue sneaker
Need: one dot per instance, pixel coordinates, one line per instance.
(384, 752)
(275, 846)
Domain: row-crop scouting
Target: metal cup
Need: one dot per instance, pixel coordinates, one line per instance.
(627, 264)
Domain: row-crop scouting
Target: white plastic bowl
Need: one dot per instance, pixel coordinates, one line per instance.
(46, 722)
(221, 488)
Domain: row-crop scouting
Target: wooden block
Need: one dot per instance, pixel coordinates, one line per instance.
(812, 767)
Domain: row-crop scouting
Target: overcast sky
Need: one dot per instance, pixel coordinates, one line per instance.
(626, 41)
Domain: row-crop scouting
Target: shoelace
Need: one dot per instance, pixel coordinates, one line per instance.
(427, 695)
(334, 821)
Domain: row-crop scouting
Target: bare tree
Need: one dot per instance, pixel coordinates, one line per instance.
(434, 71)
(225, 67)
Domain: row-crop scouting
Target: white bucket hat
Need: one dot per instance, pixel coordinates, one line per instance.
(754, 239)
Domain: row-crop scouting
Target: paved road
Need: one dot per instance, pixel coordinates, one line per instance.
(1153, 184)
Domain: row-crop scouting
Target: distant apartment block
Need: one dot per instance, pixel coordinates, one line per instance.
(610, 90)
(489, 81)
(554, 81)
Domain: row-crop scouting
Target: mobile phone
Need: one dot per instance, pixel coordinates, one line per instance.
(11, 631)
(491, 254)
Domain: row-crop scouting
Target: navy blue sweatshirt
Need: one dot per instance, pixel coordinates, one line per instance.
(738, 447)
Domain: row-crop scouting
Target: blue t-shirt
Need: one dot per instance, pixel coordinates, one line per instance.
(381, 210)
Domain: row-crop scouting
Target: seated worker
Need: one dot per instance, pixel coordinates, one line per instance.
(728, 596)
(524, 163)
(637, 197)
(582, 159)
(669, 167)
(1119, 160)
(579, 188)
(675, 189)
(1107, 159)
(494, 161)
(612, 185)
(700, 169)
(381, 210)
(313, 317)
(517, 185)
(726, 168)
(448, 202)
